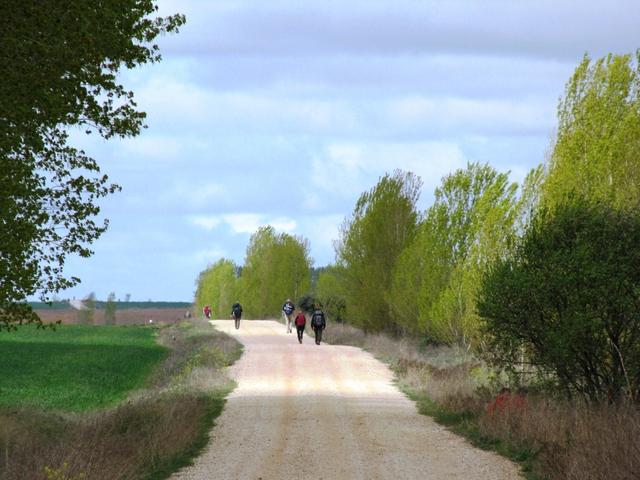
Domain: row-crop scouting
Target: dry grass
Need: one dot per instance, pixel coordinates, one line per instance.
(573, 441)
(155, 432)
(554, 439)
(128, 442)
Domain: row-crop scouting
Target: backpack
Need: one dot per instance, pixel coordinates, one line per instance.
(288, 308)
(318, 319)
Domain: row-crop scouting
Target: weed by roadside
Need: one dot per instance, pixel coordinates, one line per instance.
(550, 438)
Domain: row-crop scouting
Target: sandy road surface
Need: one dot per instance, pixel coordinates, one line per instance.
(327, 412)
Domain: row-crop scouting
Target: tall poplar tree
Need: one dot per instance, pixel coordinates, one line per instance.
(383, 223)
(435, 280)
(218, 287)
(596, 155)
(277, 266)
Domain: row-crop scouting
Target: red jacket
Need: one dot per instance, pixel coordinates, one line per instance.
(300, 320)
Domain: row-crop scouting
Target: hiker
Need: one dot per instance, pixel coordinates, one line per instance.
(318, 324)
(300, 322)
(236, 313)
(287, 311)
(207, 311)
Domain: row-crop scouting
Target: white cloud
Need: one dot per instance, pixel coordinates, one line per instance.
(243, 222)
(321, 231)
(544, 28)
(348, 167)
(472, 114)
(208, 255)
(205, 112)
(195, 195)
(207, 222)
(283, 224)
(152, 146)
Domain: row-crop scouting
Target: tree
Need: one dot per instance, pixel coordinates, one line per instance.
(218, 286)
(420, 274)
(569, 300)
(277, 266)
(596, 155)
(330, 293)
(110, 310)
(257, 290)
(86, 313)
(383, 223)
(436, 277)
(59, 62)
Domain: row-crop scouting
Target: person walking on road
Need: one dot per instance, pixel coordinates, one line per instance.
(207, 311)
(287, 311)
(300, 322)
(236, 313)
(318, 324)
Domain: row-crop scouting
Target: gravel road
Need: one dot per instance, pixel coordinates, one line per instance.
(327, 412)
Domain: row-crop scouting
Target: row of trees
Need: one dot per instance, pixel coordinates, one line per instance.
(277, 266)
(86, 315)
(542, 277)
(403, 271)
(544, 274)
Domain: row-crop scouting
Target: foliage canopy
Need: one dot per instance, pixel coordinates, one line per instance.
(435, 279)
(277, 266)
(218, 287)
(569, 300)
(383, 223)
(597, 151)
(59, 62)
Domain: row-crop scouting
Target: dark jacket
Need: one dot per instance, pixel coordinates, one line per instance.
(237, 308)
(318, 320)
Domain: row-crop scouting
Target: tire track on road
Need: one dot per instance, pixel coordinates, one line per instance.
(327, 412)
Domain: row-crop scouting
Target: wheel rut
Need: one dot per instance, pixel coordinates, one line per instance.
(327, 412)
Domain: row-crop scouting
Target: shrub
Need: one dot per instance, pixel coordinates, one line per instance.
(307, 302)
(567, 303)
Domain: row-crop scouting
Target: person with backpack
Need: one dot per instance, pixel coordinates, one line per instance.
(236, 313)
(300, 322)
(318, 324)
(207, 311)
(287, 311)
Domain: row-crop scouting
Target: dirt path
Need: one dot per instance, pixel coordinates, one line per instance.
(327, 412)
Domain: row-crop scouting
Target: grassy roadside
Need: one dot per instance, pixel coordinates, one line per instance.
(157, 430)
(549, 437)
(465, 423)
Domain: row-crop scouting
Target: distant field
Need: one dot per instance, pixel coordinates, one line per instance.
(119, 305)
(133, 316)
(75, 367)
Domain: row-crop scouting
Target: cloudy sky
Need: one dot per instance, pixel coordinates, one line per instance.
(283, 112)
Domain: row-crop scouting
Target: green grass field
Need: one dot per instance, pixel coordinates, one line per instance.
(75, 367)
